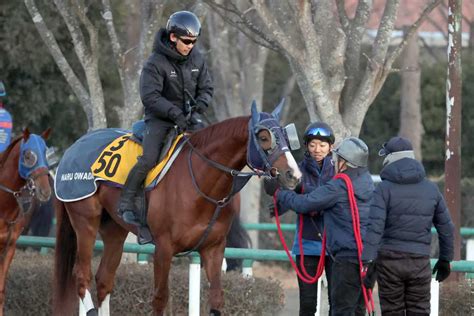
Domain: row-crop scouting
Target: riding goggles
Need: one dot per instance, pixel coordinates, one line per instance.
(319, 131)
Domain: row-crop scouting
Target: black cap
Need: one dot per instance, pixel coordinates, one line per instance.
(395, 144)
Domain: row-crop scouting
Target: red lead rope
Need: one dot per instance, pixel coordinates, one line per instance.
(304, 275)
(369, 302)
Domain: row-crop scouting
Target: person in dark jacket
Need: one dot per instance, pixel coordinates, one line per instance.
(404, 207)
(317, 170)
(331, 199)
(173, 76)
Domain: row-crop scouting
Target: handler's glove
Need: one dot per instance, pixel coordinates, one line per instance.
(299, 188)
(270, 185)
(369, 274)
(178, 118)
(442, 270)
(201, 107)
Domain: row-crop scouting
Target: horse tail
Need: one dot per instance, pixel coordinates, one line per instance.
(64, 292)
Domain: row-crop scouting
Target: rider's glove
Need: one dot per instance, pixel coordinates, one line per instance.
(178, 118)
(201, 107)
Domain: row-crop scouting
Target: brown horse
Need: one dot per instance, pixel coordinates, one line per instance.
(180, 209)
(23, 176)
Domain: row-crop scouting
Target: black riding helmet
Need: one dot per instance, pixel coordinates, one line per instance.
(319, 130)
(184, 23)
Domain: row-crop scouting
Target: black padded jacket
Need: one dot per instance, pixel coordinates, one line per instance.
(167, 74)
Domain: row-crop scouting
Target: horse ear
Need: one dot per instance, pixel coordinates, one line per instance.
(46, 133)
(26, 134)
(255, 114)
(277, 111)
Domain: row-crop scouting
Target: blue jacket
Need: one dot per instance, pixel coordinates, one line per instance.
(332, 200)
(313, 177)
(405, 206)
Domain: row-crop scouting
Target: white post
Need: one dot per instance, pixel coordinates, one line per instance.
(470, 250)
(247, 271)
(224, 266)
(434, 302)
(318, 304)
(130, 257)
(194, 286)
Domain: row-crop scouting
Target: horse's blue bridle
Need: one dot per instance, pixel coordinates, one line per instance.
(32, 156)
(257, 158)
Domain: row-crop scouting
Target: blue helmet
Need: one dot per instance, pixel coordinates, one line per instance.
(3, 92)
(319, 130)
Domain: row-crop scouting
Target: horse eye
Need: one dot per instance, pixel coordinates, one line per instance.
(30, 159)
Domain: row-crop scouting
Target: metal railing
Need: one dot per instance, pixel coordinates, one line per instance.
(249, 256)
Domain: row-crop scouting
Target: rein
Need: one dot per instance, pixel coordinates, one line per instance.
(239, 180)
(24, 197)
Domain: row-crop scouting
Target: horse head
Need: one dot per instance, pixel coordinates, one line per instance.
(33, 165)
(268, 148)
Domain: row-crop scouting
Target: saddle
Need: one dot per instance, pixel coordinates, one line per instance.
(117, 159)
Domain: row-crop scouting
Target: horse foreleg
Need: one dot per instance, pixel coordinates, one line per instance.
(212, 259)
(113, 236)
(5, 261)
(162, 264)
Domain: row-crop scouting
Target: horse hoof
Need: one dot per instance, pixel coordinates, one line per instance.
(213, 312)
(92, 312)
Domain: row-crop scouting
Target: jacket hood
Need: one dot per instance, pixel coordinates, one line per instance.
(404, 171)
(162, 45)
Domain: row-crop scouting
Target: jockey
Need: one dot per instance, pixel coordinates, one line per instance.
(331, 199)
(172, 75)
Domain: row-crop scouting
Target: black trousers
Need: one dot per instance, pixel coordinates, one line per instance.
(153, 139)
(309, 292)
(346, 291)
(404, 283)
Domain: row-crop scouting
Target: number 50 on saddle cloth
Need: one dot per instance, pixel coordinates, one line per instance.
(118, 158)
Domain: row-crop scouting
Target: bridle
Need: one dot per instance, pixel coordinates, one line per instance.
(24, 198)
(239, 180)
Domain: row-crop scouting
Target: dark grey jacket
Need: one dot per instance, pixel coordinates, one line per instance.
(165, 76)
(404, 207)
(333, 201)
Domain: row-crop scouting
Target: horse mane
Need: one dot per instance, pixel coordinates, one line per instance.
(6, 153)
(233, 126)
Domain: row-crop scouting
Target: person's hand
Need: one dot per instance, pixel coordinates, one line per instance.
(369, 275)
(299, 188)
(270, 185)
(178, 118)
(271, 210)
(201, 107)
(442, 270)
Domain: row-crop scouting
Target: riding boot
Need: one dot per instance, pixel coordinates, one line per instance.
(127, 200)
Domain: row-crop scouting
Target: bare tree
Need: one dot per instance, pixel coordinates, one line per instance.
(238, 66)
(128, 57)
(323, 46)
(411, 125)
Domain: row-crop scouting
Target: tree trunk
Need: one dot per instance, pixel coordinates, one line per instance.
(237, 66)
(411, 125)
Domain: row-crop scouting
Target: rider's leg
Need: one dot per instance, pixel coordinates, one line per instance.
(155, 134)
